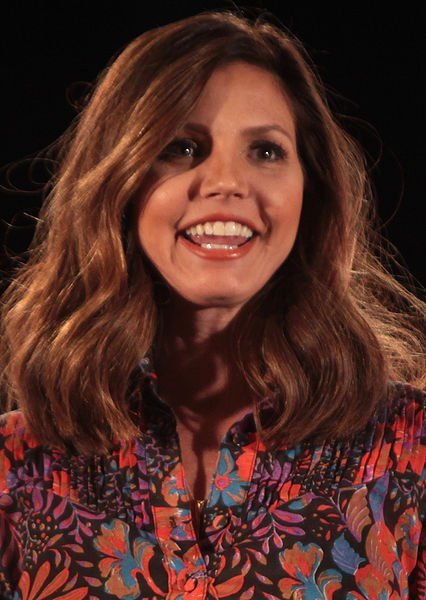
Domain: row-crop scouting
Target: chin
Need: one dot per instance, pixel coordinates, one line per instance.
(219, 301)
(218, 295)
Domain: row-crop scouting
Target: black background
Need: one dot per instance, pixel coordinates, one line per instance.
(368, 56)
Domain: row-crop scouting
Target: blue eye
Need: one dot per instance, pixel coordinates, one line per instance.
(180, 149)
(267, 151)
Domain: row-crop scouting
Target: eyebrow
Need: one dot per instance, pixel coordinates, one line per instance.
(255, 130)
(262, 129)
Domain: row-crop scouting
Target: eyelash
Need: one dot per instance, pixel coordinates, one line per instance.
(171, 152)
(267, 145)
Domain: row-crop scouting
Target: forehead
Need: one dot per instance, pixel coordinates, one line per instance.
(243, 91)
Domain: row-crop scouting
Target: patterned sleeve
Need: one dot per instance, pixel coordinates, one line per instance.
(417, 580)
(418, 576)
(10, 558)
(9, 555)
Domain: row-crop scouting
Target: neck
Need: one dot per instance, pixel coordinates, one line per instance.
(196, 363)
(198, 377)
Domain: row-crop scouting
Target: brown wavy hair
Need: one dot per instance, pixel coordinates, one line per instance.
(322, 339)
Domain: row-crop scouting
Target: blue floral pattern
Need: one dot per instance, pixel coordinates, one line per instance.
(331, 520)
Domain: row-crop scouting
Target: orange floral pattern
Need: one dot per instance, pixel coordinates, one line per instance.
(315, 521)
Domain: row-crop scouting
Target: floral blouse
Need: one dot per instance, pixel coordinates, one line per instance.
(333, 520)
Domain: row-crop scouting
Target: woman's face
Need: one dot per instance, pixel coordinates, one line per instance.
(221, 210)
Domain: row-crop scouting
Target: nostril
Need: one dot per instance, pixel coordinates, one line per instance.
(229, 184)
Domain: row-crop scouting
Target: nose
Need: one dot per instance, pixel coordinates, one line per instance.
(223, 174)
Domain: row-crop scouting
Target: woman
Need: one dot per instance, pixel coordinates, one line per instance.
(201, 347)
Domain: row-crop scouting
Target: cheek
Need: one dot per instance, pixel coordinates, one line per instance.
(163, 205)
(153, 215)
(286, 209)
(284, 192)
(148, 229)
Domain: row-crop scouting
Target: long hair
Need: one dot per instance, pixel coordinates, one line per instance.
(321, 338)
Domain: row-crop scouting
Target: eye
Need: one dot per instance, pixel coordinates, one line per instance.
(181, 149)
(267, 151)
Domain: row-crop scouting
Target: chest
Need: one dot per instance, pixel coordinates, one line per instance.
(278, 543)
(199, 450)
(276, 526)
(199, 456)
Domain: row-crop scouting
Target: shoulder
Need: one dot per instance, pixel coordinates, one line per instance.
(396, 436)
(12, 428)
(12, 424)
(408, 410)
(15, 440)
(404, 410)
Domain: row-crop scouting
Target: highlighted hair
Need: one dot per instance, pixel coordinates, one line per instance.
(324, 336)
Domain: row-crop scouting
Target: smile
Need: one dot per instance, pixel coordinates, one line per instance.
(218, 240)
(219, 235)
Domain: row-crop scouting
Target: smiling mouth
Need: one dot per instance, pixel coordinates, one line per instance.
(219, 235)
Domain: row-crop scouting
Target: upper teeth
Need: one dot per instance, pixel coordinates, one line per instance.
(220, 228)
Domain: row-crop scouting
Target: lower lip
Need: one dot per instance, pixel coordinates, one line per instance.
(218, 253)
